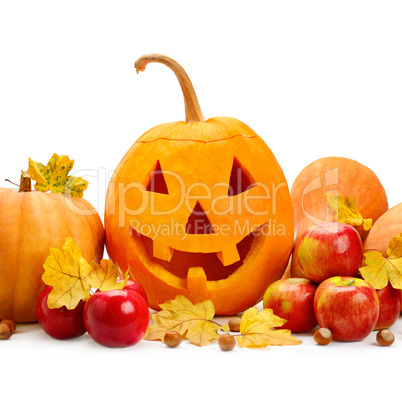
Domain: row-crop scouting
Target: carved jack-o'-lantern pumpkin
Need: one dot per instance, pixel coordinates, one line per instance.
(200, 208)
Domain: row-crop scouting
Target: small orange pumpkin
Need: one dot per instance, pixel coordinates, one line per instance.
(177, 209)
(333, 175)
(30, 223)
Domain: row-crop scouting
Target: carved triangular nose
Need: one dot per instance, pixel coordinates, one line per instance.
(198, 222)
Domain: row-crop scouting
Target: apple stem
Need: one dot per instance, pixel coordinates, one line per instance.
(351, 282)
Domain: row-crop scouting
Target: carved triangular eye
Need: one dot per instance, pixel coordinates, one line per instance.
(198, 222)
(240, 179)
(157, 183)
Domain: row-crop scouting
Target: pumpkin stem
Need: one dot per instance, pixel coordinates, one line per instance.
(193, 109)
(25, 183)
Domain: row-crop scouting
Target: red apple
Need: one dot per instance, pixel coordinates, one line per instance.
(390, 306)
(116, 318)
(293, 300)
(136, 287)
(60, 323)
(330, 249)
(348, 306)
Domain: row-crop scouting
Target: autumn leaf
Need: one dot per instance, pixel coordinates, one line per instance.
(379, 269)
(395, 247)
(256, 330)
(54, 176)
(105, 276)
(66, 272)
(75, 187)
(192, 320)
(346, 211)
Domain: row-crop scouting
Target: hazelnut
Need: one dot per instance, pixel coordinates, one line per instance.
(385, 337)
(226, 342)
(5, 331)
(172, 339)
(10, 322)
(323, 336)
(234, 324)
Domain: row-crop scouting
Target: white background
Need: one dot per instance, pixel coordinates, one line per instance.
(313, 78)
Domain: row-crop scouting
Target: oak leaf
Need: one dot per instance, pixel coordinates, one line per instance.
(54, 176)
(192, 320)
(106, 276)
(380, 268)
(256, 330)
(67, 273)
(346, 211)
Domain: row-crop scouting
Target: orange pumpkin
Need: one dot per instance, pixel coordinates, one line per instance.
(333, 175)
(386, 227)
(200, 208)
(30, 223)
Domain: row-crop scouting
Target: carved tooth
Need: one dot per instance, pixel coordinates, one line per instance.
(197, 284)
(162, 251)
(228, 255)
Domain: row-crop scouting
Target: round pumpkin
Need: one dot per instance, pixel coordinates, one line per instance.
(335, 175)
(30, 223)
(386, 227)
(200, 208)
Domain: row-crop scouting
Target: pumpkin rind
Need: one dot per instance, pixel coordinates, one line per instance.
(31, 223)
(385, 228)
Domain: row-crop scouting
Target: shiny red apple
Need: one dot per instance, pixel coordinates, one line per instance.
(136, 287)
(60, 323)
(390, 306)
(348, 306)
(293, 300)
(330, 249)
(116, 318)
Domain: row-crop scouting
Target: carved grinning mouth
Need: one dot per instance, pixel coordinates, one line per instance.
(181, 261)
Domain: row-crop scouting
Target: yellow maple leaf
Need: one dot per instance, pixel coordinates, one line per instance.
(66, 272)
(256, 330)
(192, 320)
(346, 211)
(395, 247)
(54, 176)
(105, 276)
(380, 268)
(75, 187)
